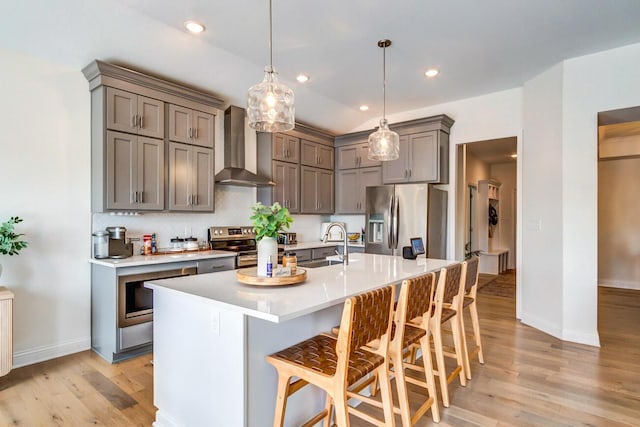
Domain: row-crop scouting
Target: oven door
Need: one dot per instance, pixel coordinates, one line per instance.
(135, 302)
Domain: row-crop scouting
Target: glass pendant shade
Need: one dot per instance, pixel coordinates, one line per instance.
(384, 144)
(270, 105)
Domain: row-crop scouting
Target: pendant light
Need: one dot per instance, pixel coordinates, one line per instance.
(270, 105)
(384, 144)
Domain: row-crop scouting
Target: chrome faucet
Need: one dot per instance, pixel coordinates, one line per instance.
(345, 251)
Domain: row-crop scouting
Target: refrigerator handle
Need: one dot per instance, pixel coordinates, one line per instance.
(396, 220)
(390, 223)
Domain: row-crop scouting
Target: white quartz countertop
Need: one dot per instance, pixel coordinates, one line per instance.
(137, 260)
(319, 244)
(324, 287)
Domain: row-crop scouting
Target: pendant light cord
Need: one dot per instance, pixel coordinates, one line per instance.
(270, 37)
(384, 81)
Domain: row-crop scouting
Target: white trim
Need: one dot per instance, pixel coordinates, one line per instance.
(622, 284)
(541, 324)
(581, 337)
(162, 420)
(40, 354)
(578, 337)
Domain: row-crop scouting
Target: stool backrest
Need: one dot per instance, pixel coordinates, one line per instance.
(419, 296)
(451, 282)
(366, 317)
(472, 274)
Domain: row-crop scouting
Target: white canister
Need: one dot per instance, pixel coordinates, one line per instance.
(267, 248)
(101, 244)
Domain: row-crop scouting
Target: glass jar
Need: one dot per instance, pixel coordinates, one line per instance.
(100, 244)
(290, 260)
(177, 244)
(191, 244)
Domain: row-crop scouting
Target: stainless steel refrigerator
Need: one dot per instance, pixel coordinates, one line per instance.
(397, 213)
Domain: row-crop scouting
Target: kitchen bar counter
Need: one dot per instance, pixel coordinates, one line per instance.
(138, 260)
(211, 335)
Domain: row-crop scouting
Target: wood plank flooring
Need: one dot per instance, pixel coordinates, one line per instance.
(529, 379)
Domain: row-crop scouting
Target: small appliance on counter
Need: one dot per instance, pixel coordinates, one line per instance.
(287, 238)
(118, 245)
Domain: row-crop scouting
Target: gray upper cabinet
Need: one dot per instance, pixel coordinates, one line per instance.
(423, 158)
(316, 190)
(351, 187)
(285, 148)
(131, 113)
(134, 172)
(354, 156)
(190, 178)
(287, 188)
(317, 155)
(131, 128)
(191, 126)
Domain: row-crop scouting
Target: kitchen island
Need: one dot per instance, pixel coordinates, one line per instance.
(212, 333)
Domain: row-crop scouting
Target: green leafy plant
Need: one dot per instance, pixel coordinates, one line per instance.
(269, 221)
(10, 243)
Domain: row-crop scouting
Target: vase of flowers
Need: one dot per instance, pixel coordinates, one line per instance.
(10, 243)
(268, 222)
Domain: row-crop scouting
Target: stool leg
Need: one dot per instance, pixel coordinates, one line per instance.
(465, 349)
(329, 407)
(476, 329)
(442, 373)
(385, 389)
(457, 342)
(340, 405)
(281, 400)
(428, 373)
(401, 385)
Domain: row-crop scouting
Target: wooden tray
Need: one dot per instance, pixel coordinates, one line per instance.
(248, 276)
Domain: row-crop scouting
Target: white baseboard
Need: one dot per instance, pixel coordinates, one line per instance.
(40, 354)
(619, 284)
(562, 334)
(581, 337)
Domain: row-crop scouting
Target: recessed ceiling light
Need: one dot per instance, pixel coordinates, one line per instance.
(302, 78)
(431, 72)
(364, 108)
(513, 156)
(194, 27)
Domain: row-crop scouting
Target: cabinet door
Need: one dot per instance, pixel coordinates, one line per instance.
(369, 177)
(150, 174)
(308, 153)
(397, 171)
(292, 194)
(285, 148)
(202, 189)
(325, 157)
(363, 159)
(308, 190)
(179, 123)
(151, 122)
(279, 176)
(121, 170)
(325, 190)
(122, 108)
(180, 176)
(203, 129)
(424, 157)
(347, 191)
(293, 149)
(348, 158)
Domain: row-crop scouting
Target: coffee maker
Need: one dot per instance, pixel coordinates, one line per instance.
(118, 246)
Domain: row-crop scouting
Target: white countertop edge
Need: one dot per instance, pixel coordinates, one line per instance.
(138, 260)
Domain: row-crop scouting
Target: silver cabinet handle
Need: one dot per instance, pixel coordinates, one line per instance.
(190, 133)
(140, 122)
(132, 197)
(140, 196)
(134, 120)
(409, 173)
(196, 133)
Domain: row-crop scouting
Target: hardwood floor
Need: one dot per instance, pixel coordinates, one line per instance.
(529, 379)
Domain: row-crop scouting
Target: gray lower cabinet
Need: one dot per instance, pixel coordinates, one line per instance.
(350, 188)
(190, 178)
(323, 252)
(423, 158)
(287, 188)
(191, 126)
(315, 154)
(316, 190)
(137, 114)
(134, 172)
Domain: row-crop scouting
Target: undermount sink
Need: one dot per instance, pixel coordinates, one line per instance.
(318, 263)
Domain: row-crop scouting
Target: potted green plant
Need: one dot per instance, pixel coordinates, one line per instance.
(10, 243)
(268, 222)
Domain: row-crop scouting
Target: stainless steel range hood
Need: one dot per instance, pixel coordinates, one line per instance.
(234, 172)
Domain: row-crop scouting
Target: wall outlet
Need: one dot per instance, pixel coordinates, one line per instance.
(215, 322)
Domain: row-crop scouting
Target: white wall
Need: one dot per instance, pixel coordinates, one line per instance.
(477, 170)
(599, 82)
(618, 225)
(44, 178)
(505, 173)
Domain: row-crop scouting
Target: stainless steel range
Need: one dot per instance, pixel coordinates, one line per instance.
(235, 239)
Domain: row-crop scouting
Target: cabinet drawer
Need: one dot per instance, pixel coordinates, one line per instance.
(215, 265)
(303, 255)
(321, 253)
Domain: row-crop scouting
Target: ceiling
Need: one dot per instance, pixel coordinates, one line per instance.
(494, 151)
(479, 46)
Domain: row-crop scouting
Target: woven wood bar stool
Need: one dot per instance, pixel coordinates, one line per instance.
(469, 301)
(448, 309)
(339, 365)
(412, 318)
